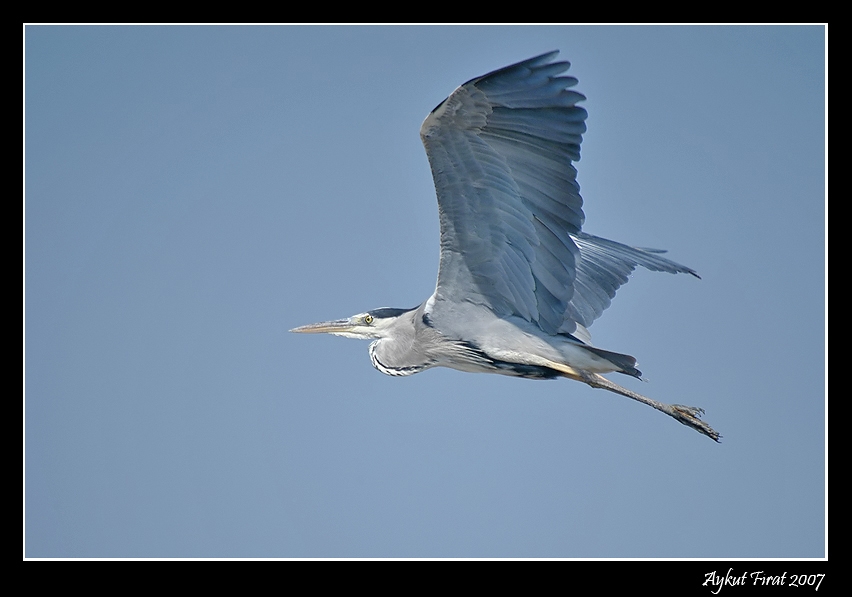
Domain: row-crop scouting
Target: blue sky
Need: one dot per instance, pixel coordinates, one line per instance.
(192, 193)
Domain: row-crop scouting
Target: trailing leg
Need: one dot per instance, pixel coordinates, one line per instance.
(688, 415)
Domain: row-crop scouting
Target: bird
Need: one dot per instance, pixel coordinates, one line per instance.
(519, 281)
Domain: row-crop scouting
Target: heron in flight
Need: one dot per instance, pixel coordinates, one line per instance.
(519, 282)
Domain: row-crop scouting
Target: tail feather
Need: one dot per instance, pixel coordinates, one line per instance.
(626, 364)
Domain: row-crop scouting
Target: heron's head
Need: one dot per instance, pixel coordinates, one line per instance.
(364, 326)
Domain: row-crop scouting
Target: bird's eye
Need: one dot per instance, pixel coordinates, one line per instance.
(368, 319)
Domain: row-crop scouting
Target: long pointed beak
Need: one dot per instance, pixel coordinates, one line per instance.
(326, 327)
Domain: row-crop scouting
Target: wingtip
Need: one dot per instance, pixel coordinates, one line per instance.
(536, 61)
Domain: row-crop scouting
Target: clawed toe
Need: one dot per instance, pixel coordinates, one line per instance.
(691, 416)
(690, 410)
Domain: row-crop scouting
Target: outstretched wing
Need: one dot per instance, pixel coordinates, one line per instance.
(602, 267)
(502, 148)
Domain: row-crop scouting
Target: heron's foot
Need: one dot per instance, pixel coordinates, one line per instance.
(691, 416)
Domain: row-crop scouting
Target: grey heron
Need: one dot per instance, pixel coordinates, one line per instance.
(519, 282)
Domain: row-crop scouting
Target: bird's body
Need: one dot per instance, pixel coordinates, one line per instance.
(519, 282)
(511, 346)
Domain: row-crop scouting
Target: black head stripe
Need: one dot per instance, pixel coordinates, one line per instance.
(385, 312)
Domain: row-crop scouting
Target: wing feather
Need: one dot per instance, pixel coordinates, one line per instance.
(605, 265)
(501, 148)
